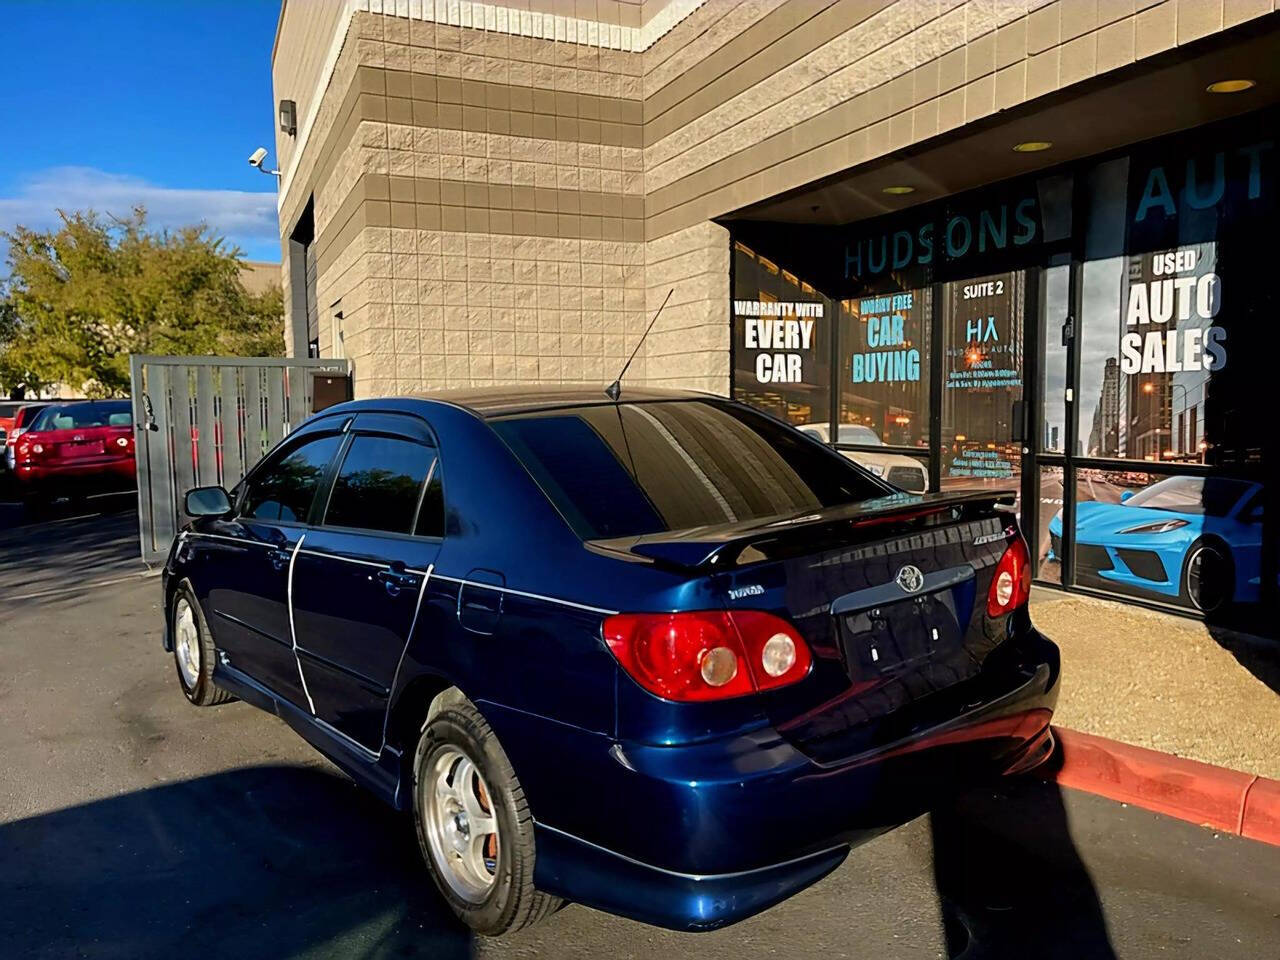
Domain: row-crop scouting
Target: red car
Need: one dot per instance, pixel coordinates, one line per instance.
(17, 425)
(76, 448)
(8, 411)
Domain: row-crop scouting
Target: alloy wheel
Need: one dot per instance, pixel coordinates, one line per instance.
(461, 826)
(1205, 579)
(186, 643)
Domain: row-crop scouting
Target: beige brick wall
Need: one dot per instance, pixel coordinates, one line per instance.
(497, 207)
(689, 345)
(745, 105)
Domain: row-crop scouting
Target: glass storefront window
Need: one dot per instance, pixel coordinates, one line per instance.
(1145, 285)
(884, 383)
(1188, 540)
(781, 340)
(1054, 308)
(983, 339)
(1172, 284)
(1049, 536)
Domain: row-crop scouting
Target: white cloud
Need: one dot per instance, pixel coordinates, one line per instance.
(247, 219)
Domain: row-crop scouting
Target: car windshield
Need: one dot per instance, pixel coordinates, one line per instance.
(77, 416)
(9, 409)
(858, 433)
(1213, 496)
(634, 469)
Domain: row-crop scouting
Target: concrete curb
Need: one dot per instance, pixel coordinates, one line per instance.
(1226, 800)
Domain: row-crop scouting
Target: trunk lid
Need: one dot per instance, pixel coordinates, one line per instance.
(890, 594)
(86, 444)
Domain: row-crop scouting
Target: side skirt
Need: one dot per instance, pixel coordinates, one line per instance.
(379, 774)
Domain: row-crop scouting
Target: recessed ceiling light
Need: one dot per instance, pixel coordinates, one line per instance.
(897, 191)
(1032, 146)
(1231, 86)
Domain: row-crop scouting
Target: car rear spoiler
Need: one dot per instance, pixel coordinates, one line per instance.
(722, 546)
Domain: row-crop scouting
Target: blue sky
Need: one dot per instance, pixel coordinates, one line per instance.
(109, 104)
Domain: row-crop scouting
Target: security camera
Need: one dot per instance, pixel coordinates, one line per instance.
(256, 158)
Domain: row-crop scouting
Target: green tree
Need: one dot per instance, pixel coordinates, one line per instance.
(79, 299)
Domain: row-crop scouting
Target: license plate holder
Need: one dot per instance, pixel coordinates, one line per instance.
(87, 448)
(898, 637)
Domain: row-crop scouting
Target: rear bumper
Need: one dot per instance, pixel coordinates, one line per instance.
(113, 474)
(696, 837)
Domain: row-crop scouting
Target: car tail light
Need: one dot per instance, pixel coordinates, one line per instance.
(707, 654)
(29, 447)
(1011, 582)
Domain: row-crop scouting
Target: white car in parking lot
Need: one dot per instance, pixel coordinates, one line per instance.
(902, 471)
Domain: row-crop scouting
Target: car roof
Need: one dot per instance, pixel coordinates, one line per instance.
(499, 401)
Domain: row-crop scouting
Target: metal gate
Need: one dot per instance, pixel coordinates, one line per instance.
(201, 421)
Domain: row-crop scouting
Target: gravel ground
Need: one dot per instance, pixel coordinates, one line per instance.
(1165, 682)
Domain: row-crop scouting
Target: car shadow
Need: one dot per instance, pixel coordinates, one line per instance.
(272, 861)
(1010, 882)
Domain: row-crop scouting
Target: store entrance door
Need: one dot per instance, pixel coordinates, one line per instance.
(983, 365)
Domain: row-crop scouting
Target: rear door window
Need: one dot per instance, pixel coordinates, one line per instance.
(285, 488)
(380, 484)
(633, 469)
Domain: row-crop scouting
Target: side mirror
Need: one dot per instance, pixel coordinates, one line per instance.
(208, 502)
(1126, 496)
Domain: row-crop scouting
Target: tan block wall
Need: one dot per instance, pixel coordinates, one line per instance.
(304, 41)
(501, 208)
(744, 105)
(689, 345)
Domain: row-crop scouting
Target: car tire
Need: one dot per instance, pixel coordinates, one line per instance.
(193, 654)
(1208, 562)
(461, 775)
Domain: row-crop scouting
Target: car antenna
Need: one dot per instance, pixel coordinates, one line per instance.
(614, 390)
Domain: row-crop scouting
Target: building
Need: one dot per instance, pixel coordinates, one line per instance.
(988, 230)
(259, 276)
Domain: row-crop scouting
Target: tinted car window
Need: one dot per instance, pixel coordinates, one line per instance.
(77, 416)
(379, 484)
(632, 469)
(283, 490)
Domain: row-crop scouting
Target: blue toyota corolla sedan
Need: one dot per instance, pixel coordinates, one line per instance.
(665, 656)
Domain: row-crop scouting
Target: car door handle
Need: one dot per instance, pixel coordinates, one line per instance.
(279, 558)
(396, 580)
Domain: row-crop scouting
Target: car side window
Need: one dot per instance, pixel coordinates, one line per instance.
(431, 512)
(284, 490)
(379, 484)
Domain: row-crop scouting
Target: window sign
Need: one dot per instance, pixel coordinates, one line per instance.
(779, 337)
(982, 375)
(1169, 318)
(991, 229)
(781, 340)
(885, 348)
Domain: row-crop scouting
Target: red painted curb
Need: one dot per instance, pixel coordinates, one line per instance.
(1201, 793)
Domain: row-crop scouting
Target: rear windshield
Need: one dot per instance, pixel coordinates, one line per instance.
(9, 409)
(76, 416)
(634, 469)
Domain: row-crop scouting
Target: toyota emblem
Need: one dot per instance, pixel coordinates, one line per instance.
(910, 578)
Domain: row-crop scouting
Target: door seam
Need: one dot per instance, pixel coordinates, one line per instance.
(293, 631)
(413, 625)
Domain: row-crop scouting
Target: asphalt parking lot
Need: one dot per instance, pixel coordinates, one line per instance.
(133, 825)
